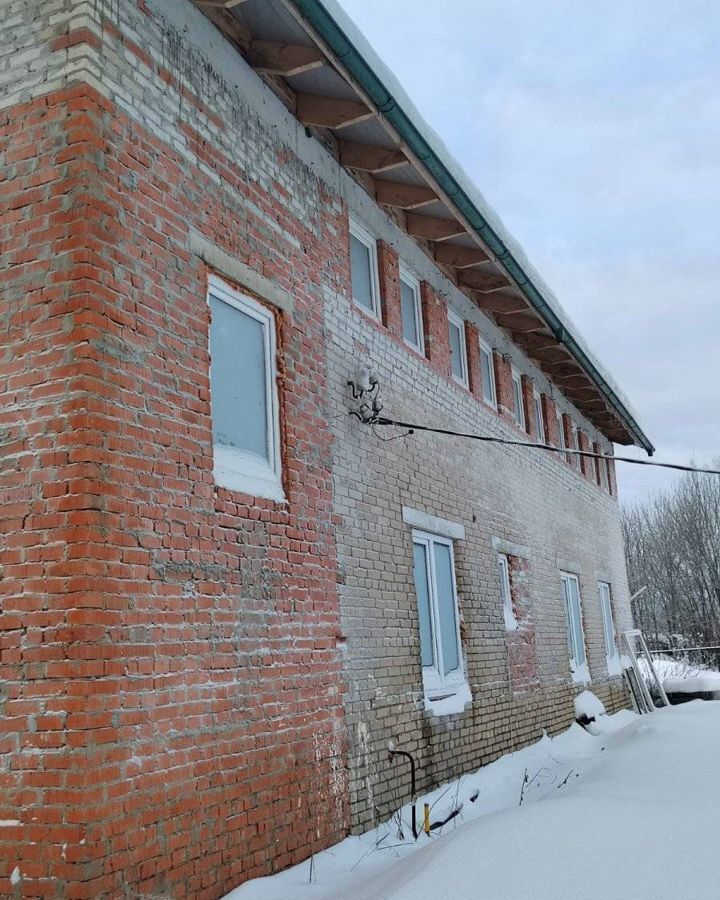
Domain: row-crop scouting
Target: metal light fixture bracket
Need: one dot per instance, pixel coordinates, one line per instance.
(365, 389)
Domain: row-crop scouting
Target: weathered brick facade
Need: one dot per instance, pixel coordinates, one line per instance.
(198, 686)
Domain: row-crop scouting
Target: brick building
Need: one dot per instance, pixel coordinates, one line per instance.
(213, 622)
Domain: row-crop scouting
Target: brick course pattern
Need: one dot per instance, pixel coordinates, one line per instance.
(196, 686)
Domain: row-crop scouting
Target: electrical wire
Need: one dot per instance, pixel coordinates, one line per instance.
(381, 420)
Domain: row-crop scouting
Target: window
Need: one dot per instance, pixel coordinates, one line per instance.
(560, 430)
(573, 619)
(613, 657)
(511, 622)
(574, 459)
(243, 391)
(488, 375)
(518, 409)
(411, 310)
(603, 466)
(364, 269)
(539, 417)
(434, 569)
(458, 351)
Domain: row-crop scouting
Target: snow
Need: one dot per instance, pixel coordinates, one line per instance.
(627, 814)
(588, 705)
(15, 876)
(580, 673)
(453, 703)
(679, 677)
(703, 684)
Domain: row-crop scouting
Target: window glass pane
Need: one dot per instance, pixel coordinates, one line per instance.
(456, 355)
(539, 421)
(488, 380)
(238, 372)
(608, 619)
(576, 620)
(561, 432)
(517, 400)
(423, 599)
(508, 611)
(361, 273)
(568, 616)
(411, 332)
(446, 608)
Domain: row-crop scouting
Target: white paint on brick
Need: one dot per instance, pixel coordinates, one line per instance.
(434, 524)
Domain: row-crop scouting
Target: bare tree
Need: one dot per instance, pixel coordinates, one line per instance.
(672, 545)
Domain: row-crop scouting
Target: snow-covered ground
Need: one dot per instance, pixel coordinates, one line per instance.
(627, 814)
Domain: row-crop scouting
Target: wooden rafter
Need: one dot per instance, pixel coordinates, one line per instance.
(403, 196)
(369, 158)
(231, 27)
(531, 342)
(283, 59)
(519, 322)
(459, 257)
(432, 228)
(484, 280)
(501, 303)
(551, 355)
(218, 4)
(330, 112)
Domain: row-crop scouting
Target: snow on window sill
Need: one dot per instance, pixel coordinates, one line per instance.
(580, 674)
(614, 665)
(454, 700)
(246, 473)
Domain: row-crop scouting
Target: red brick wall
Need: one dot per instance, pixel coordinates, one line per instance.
(389, 278)
(522, 657)
(170, 646)
(503, 386)
(435, 322)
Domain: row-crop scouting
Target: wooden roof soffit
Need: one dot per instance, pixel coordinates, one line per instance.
(218, 4)
(432, 228)
(500, 303)
(532, 342)
(225, 21)
(370, 158)
(403, 196)
(484, 280)
(283, 59)
(330, 112)
(519, 322)
(459, 257)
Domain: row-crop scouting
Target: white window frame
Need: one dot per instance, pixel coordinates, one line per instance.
(236, 469)
(518, 404)
(511, 623)
(539, 417)
(612, 654)
(414, 284)
(487, 349)
(436, 685)
(459, 323)
(364, 236)
(578, 666)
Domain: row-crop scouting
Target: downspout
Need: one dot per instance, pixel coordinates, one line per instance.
(320, 20)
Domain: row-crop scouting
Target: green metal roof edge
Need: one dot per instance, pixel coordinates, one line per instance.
(315, 13)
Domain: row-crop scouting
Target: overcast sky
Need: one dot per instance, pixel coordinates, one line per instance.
(594, 130)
